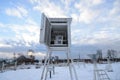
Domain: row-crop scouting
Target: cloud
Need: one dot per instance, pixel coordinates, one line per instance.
(75, 18)
(95, 22)
(30, 21)
(28, 33)
(115, 10)
(23, 34)
(5, 45)
(49, 8)
(18, 11)
(88, 16)
(6, 55)
(87, 13)
(1, 25)
(67, 4)
(39, 55)
(97, 2)
(106, 35)
(34, 1)
(102, 23)
(111, 14)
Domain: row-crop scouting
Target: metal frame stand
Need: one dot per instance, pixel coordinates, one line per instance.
(47, 65)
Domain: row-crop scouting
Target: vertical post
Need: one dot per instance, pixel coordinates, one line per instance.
(42, 76)
(14, 57)
(50, 73)
(68, 62)
(49, 55)
(79, 60)
(84, 63)
(109, 67)
(68, 52)
(75, 74)
(15, 66)
(94, 57)
(53, 69)
(94, 70)
(108, 59)
(2, 66)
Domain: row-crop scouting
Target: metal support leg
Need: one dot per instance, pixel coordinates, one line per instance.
(42, 76)
(75, 73)
(46, 73)
(95, 68)
(68, 61)
(48, 64)
(50, 74)
(53, 69)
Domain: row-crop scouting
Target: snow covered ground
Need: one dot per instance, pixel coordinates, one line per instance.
(84, 71)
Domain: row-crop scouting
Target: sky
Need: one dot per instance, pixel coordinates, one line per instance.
(95, 25)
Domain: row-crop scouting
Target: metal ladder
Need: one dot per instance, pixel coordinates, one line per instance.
(102, 75)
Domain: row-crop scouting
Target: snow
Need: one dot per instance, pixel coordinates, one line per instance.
(84, 71)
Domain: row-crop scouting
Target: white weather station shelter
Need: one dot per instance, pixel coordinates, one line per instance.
(55, 33)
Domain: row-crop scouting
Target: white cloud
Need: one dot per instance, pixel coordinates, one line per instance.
(34, 1)
(41, 54)
(67, 4)
(92, 24)
(111, 15)
(6, 55)
(5, 45)
(115, 10)
(75, 36)
(106, 35)
(87, 16)
(1, 25)
(75, 17)
(30, 33)
(18, 11)
(23, 34)
(10, 12)
(30, 21)
(102, 35)
(87, 13)
(88, 3)
(38, 55)
(96, 2)
(50, 9)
